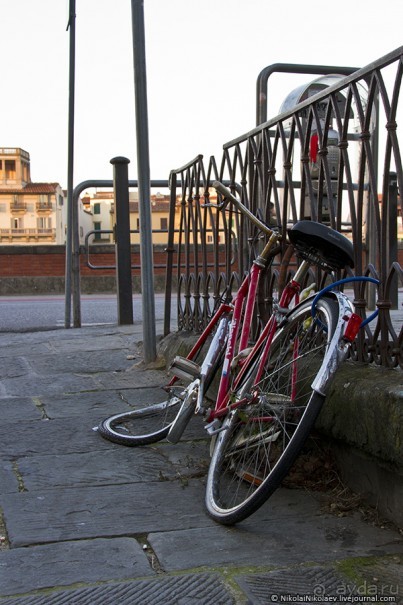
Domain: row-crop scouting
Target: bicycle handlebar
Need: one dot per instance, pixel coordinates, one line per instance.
(229, 197)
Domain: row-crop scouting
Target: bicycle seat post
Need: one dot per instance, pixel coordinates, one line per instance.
(301, 272)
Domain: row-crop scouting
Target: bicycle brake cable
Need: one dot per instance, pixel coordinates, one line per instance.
(340, 283)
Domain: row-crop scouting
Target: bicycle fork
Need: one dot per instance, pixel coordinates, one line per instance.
(194, 392)
(347, 328)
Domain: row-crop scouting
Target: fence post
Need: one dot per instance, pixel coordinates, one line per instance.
(122, 240)
(392, 237)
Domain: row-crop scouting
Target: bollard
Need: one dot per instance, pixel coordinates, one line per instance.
(122, 240)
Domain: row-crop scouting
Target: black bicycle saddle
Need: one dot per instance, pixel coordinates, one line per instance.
(322, 245)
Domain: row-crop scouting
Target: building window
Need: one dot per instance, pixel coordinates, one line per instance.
(16, 223)
(97, 208)
(44, 222)
(10, 169)
(164, 224)
(97, 227)
(138, 224)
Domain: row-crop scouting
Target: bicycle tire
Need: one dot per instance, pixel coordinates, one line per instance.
(143, 426)
(261, 439)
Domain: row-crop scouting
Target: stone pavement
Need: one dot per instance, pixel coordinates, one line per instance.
(85, 521)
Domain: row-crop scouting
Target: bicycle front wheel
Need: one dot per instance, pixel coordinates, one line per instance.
(262, 437)
(143, 426)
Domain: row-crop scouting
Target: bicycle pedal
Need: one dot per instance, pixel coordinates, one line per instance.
(185, 368)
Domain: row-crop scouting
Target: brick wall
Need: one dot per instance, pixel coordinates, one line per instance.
(41, 269)
(49, 261)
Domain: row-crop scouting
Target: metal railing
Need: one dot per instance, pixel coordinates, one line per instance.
(319, 160)
(72, 287)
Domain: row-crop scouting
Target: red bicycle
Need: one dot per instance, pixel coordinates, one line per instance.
(270, 392)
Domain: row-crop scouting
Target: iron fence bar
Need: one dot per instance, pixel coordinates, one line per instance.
(282, 175)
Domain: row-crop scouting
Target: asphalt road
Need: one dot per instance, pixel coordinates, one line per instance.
(26, 313)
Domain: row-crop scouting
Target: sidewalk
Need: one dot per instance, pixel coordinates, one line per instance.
(89, 522)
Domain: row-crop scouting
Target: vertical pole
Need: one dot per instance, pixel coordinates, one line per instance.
(373, 237)
(170, 250)
(391, 238)
(143, 167)
(70, 162)
(122, 241)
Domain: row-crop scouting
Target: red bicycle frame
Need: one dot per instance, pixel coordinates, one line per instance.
(290, 293)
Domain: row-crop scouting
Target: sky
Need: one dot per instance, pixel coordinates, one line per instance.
(203, 59)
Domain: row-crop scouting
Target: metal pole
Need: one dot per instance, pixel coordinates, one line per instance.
(372, 236)
(122, 241)
(170, 252)
(70, 163)
(392, 245)
(143, 167)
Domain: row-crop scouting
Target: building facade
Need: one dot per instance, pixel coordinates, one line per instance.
(100, 204)
(31, 213)
(36, 213)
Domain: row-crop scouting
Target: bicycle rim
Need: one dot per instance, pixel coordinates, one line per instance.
(143, 426)
(262, 438)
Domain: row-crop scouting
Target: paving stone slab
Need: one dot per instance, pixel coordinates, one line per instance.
(72, 514)
(382, 577)
(117, 465)
(104, 403)
(66, 435)
(60, 436)
(8, 478)
(307, 581)
(37, 385)
(98, 342)
(275, 535)
(13, 409)
(364, 578)
(14, 367)
(188, 457)
(19, 345)
(131, 379)
(27, 569)
(81, 361)
(203, 589)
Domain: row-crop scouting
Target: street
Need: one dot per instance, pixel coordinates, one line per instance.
(26, 313)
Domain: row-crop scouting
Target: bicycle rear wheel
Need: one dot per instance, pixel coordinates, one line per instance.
(262, 437)
(143, 426)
